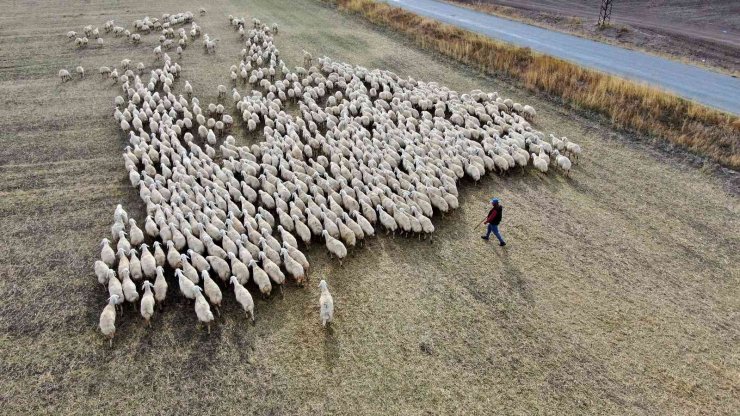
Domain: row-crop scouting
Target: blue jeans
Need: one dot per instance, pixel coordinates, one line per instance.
(492, 228)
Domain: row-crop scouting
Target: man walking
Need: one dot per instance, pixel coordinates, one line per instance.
(493, 220)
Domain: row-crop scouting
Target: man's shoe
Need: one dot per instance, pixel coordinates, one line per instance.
(484, 237)
(502, 244)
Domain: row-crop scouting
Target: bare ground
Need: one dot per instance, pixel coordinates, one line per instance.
(700, 32)
(617, 294)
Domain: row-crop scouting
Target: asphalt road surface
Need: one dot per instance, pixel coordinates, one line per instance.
(689, 81)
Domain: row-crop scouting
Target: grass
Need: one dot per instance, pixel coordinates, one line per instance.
(617, 293)
(626, 104)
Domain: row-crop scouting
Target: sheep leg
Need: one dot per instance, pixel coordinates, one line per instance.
(282, 294)
(218, 311)
(110, 342)
(209, 328)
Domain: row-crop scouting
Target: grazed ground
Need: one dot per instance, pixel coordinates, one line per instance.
(702, 32)
(618, 291)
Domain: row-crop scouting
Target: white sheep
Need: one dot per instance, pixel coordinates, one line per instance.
(64, 75)
(106, 253)
(114, 287)
(334, 246)
(137, 236)
(212, 291)
(573, 149)
(147, 302)
(326, 304)
(129, 287)
(562, 161)
(202, 308)
(101, 271)
(160, 286)
(539, 163)
(107, 323)
(187, 287)
(261, 279)
(243, 297)
(293, 267)
(529, 112)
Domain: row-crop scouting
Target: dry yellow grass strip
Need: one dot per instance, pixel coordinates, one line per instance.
(628, 105)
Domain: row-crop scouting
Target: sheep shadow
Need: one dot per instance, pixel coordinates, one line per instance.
(331, 348)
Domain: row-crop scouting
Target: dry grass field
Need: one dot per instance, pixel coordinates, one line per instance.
(619, 291)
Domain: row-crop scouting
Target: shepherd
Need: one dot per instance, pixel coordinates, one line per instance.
(493, 220)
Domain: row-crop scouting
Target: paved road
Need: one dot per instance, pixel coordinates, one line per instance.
(707, 87)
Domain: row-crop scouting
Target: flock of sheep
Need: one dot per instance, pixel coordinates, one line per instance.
(346, 150)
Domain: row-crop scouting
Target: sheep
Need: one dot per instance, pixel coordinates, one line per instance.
(187, 288)
(114, 287)
(135, 266)
(529, 112)
(275, 28)
(122, 261)
(220, 266)
(539, 163)
(335, 246)
(106, 253)
(100, 42)
(293, 267)
(261, 279)
(123, 243)
(360, 140)
(64, 75)
(562, 161)
(160, 286)
(202, 308)
(147, 302)
(101, 271)
(573, 149)
(347, 235)
(173, 256)
(239, 269)
(326, 304)
(198, 261)
(243, 297)
(212, 291)
(202, 11)
(137, 236)
(159, 256)
(387, 220)
(188, 270)
(273, 270)
(148, 264)
(104, 72)
(107, 323)
(129, 288)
